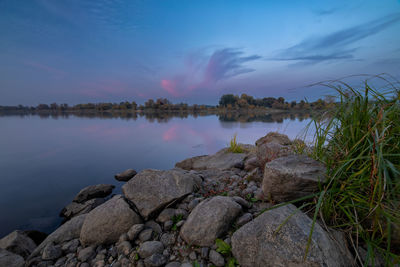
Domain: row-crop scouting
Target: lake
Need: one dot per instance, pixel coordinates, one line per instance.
(45, 160)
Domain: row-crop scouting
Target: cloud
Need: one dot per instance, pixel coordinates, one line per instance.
(203, 71)
(335, 46)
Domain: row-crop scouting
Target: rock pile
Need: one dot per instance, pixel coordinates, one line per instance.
(174, 217)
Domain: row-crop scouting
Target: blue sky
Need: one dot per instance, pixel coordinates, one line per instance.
(74, 51)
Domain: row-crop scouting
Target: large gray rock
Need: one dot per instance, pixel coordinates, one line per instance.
(260, 243)
(269, 151)
(74, 208)
(222, 160)
(107, 222)
(209, 220)
(93, 191)
(152, 190)
(8, 259)
(19, 243)
(125, 175)
(68, 231)
(292, 177)
(274, 137)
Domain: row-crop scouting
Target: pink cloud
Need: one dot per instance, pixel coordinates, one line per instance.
(205, 71)
(170, 87)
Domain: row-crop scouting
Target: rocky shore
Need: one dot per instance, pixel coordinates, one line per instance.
(209, 210)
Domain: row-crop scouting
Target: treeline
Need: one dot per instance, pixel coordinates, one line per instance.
(231, 101)
(228, 101)
(159, 104)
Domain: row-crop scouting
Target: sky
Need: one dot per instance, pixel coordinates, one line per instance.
(79, 51)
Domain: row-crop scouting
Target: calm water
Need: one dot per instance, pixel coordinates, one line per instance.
(44, 162)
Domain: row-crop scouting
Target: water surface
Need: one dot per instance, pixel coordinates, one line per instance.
(46, 160)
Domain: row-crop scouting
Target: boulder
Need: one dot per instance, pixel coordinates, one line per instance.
(68, 231)
(292, 177)
(10, 259)
(269, 151)
(125, 175)
(93, 191)
(274, 137)
(222, 160)
(209, 220)
(107, 222)
(152, 190)
(279, 237)
(19, 243)
(74, 208)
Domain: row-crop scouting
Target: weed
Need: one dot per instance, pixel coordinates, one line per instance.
(226, 250)
(234, 147)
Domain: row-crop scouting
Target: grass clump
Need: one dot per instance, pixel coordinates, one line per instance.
(234, 147)
(360, 144)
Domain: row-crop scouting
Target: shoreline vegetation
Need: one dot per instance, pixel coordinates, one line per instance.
(227, 103)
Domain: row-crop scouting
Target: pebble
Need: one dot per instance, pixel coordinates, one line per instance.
(192, 256)
(86, 254)
(146, 235)
(155, 260)
(149, 248)
(51, 252)
(216, 258)
(134, 231)
(245, 218)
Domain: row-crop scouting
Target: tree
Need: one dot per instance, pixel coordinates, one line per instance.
(225, 100)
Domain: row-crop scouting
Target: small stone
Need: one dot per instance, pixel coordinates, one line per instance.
(166, 253)
(186, 264)
(204, 252)
(155, 260)
(168, 225)
(166, 215)
(134, 231)
(71, 246)
(124, 248)
(146, 235)
(51, 252)
(85, 264)
(60, 262)
(168, 239)
(180, 223)
(192, 204)
(245, 218)
(155, 226)
(123, 237)
(216, 258)
(149, 248)
(100, 263)
(173, 264)
(125, 175)
(192, 256)
(86, 254)
(140, 263)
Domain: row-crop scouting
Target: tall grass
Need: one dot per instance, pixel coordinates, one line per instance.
(359, 142)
